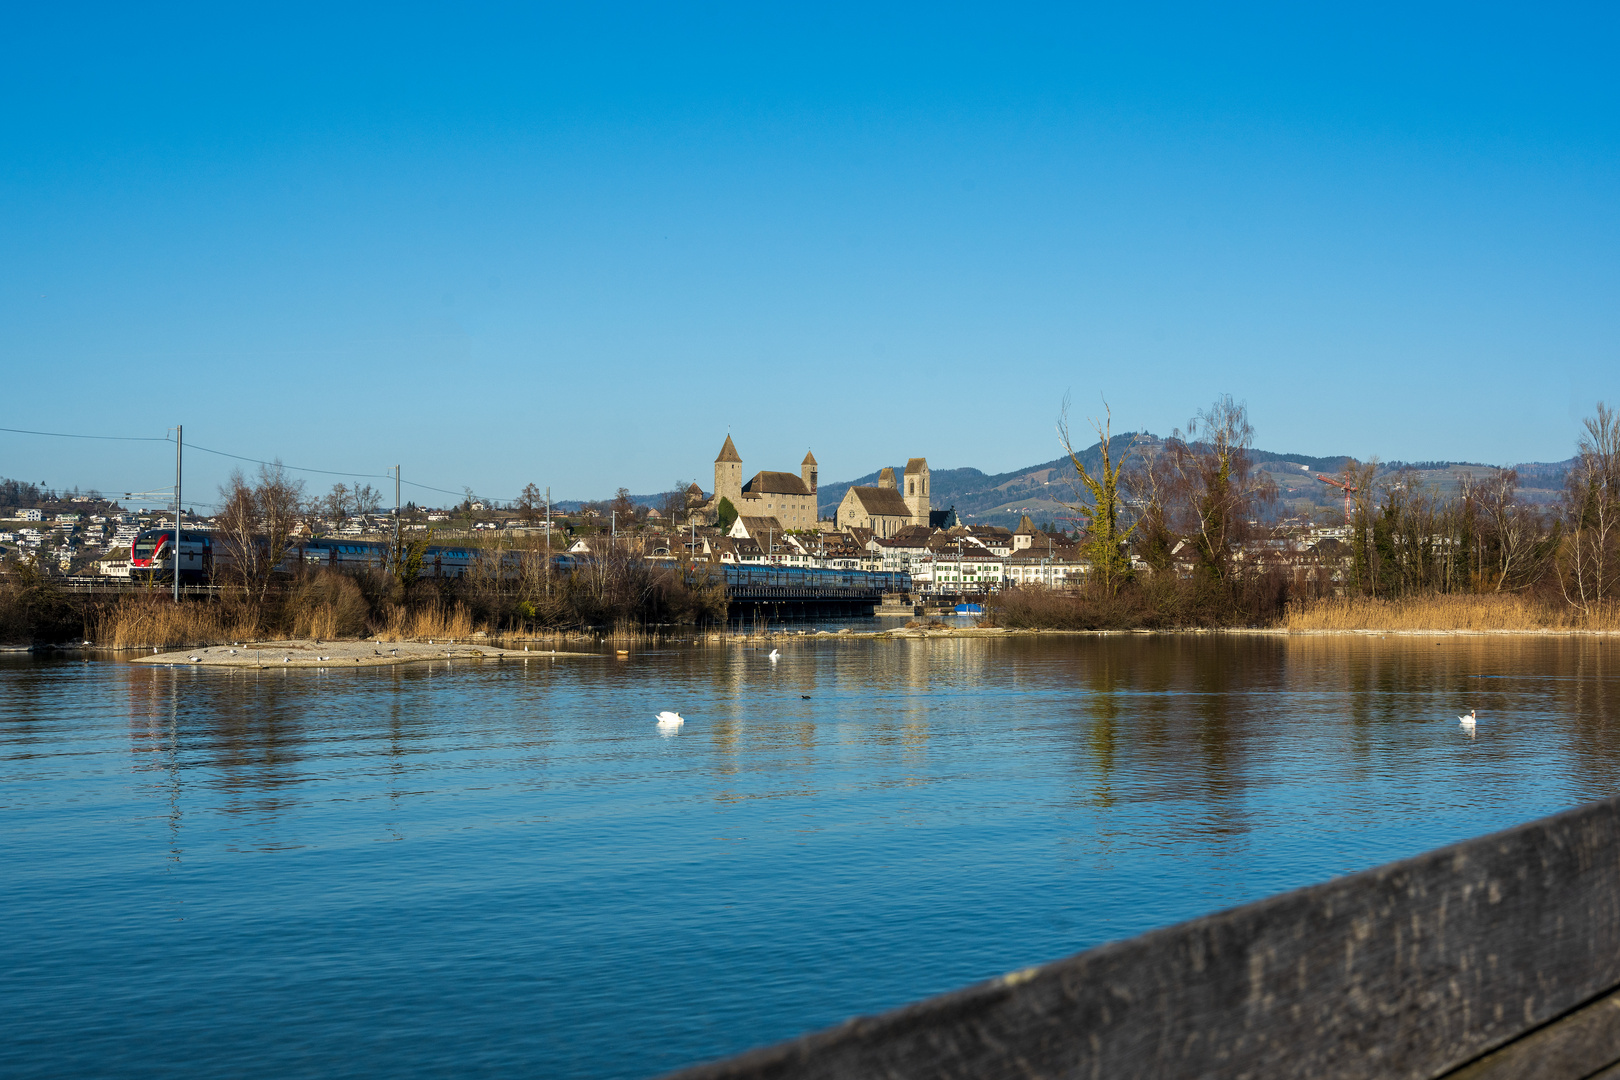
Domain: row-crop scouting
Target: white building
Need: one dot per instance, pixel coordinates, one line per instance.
(1052, 573)
(967, 572)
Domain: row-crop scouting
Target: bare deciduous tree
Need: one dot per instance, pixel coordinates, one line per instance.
(531, 501)
(364, 499)
(1514, 542)
(1209, 472)
(625, 510)
(335, 504)
(1588, 564)
(257, 523)
(672, 503)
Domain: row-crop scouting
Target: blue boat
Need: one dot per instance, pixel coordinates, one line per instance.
(970, 609)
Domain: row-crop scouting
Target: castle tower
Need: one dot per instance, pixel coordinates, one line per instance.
(886, 478)
(807, 471)
(728, 475)
(916, 493)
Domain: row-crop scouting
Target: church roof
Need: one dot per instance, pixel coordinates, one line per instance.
(776, 483)
(916, 465)
(728, 452)
(1027, 527)
(886, 477)
(882, 501)
(809, 458)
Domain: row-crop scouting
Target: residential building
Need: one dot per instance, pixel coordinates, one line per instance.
(965, 571)
(1056, 571)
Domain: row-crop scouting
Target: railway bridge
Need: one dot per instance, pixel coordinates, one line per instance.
(789, 592)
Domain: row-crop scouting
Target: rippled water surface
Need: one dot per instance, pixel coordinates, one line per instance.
(502, 869)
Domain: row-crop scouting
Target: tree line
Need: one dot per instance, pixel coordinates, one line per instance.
(1186, 532)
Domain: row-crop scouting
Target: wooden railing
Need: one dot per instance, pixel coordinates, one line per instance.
(1495, 958)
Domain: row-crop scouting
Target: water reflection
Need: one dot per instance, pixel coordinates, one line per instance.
(506, 854)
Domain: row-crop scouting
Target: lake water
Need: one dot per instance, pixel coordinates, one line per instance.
(502, 869)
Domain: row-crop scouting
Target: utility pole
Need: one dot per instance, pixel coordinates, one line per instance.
(548, 542)
(396, 520)
(179, 443)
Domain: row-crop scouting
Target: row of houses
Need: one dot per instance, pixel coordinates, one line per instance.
(958, 559)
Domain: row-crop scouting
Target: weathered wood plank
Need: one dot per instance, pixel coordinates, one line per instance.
(1573, 1047)
(1411, 970)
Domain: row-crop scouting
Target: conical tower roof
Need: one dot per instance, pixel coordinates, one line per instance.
(728, 452)
(809, 458)
(1026, 527)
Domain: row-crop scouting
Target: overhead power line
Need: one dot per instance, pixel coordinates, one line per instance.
(105, 438)
(294, 468)
(236, 457)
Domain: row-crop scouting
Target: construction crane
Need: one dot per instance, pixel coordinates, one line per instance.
(1349, 490)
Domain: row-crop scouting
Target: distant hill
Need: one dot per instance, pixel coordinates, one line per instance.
(1043, 491)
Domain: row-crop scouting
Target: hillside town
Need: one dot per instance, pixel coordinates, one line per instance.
(768, 519)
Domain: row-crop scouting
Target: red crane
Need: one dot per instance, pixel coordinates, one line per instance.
(1348, 491)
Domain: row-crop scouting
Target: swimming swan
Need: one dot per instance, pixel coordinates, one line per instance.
(1467, 721)
(670, 721)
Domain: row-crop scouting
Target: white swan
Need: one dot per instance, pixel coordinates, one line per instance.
(670, 721)
(775, 655)
(1467, 721)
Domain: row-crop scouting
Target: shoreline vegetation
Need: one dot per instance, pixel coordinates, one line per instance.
(138, 624)
(1179, 534)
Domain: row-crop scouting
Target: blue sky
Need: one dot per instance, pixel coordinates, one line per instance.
(576, 245)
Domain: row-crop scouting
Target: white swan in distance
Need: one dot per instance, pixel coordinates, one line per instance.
(1467, 722)
(670, 721)
(775, 655)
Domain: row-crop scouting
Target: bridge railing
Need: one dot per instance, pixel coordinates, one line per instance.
(1494, 958)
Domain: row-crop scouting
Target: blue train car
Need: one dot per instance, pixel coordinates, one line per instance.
(814, 579)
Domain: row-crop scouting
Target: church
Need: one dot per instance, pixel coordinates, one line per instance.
(885, 509)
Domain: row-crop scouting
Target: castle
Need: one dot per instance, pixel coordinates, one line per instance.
(790, 499)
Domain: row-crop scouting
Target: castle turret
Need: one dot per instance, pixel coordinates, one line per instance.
(807, 471)
(728, 474)
(886, 478)
(916, 493)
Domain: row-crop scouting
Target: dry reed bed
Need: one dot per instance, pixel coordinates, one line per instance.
(144, 622)
(149, 621)
(1473, 612)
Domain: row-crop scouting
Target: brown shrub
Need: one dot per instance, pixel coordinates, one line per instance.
(326, 605)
